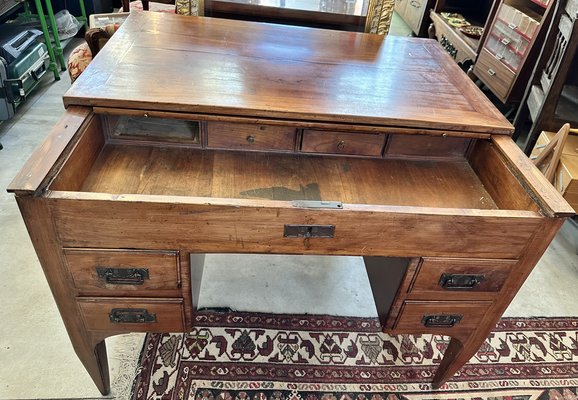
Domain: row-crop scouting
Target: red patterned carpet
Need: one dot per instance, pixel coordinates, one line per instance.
(299, 357)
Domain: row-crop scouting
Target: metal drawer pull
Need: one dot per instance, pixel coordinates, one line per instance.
(491, 72)
(309, 231)
(250, 139)
(460, 281)
(341, 145)
(415, 4)
(440, 321)
(123, 276)
(131, 316)
(505, 41)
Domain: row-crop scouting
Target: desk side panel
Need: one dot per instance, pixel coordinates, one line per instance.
(43, 163)
(206, 228)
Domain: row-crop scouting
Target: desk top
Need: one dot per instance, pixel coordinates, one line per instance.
(165, 62)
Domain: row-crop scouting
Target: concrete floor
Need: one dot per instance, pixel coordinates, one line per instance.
(36, 358)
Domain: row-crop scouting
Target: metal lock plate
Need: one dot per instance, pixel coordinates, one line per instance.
(309, 231)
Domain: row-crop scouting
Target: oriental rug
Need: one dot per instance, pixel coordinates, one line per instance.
(238, 356)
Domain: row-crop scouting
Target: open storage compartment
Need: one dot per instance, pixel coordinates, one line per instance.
(101, 163)
(254, 200)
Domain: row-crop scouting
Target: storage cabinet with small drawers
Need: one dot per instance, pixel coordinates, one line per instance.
(511, 47)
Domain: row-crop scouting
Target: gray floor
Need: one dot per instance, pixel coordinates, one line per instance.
(37, 360)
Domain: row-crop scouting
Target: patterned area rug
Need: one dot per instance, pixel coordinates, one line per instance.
(244, 356)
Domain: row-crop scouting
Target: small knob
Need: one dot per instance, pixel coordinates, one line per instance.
(146, 115)
(250, 139)
(341, 145)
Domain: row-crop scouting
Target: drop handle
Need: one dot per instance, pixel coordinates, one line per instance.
(250, 139)
(491, 72)
(341, 145)
(441, 320)
(460, 281)
(123, 276)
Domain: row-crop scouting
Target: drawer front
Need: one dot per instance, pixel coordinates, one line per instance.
(330, 142)
(103, 271)
(224, 135)
(494, 74)
(446, 275)
(427, 146)
(443, 317)
(132, 315)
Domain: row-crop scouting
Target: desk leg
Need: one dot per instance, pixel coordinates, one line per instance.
(90, 350)
(462, 349)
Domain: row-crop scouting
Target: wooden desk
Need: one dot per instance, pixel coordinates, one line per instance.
(191, 135)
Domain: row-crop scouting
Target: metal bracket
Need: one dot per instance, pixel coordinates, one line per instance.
(337, 205)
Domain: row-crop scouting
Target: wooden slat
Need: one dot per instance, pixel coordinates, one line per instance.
(34, 175)
(401, 232)
(274, 71)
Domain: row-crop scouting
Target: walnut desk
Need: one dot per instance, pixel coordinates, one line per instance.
(188, 136)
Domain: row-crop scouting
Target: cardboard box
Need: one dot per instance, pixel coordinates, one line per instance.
(566, 178)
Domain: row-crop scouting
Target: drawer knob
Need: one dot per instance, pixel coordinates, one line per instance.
(146, 115)
(123, 276)
(441, 320)
(491, 72)
(460, 281)
(131, 316)
(250, 139)
(341, 145)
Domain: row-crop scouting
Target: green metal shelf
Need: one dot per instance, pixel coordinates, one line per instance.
(55, 45)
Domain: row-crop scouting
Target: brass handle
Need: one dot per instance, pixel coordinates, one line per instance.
(341, 145)
(491, 72)
(441, 320)
(131, 316)
(123, 276)
(460, 281)
(250, 139)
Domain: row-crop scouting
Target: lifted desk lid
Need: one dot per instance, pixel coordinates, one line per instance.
(164, 62)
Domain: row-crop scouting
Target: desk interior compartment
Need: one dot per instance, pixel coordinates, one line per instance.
(480, 179)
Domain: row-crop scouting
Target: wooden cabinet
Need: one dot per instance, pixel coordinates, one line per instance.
(415, 14)
(511, 46)
(357, 155)
(463, 48)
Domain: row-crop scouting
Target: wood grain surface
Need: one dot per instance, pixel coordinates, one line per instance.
(123, 169)
(266, 70)
(208, 227)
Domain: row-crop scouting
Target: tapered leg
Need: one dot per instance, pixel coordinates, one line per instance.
(92, 354)
(91, 350)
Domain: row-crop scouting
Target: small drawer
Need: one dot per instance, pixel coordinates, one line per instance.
(225, 135)
(329, 142)
(132, 315)
(441, 317)
(494, 74)
(427, 146)
(101, 271)
(461, 275)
